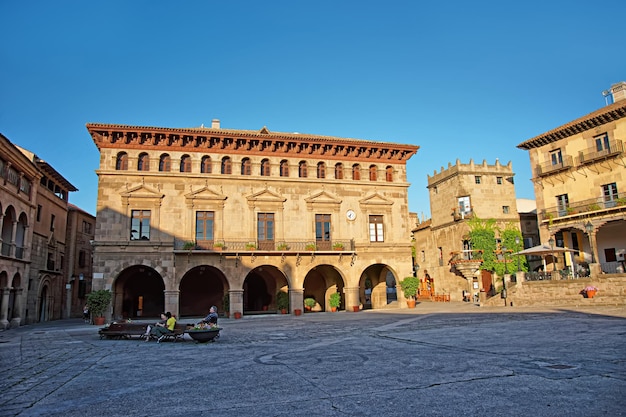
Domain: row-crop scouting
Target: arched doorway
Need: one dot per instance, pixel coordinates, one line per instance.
(138, 293)
(260, 288)
(377, 286)
(200, 288)
(322, 281)
(44, 304)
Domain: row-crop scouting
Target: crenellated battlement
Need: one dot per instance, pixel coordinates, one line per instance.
(470, 169)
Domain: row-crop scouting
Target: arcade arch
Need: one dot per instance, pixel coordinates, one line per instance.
(200, 288)
(260, 288)
(138, 292)
(320, 282)
(377, 286)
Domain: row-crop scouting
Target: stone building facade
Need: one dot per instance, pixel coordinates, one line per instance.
(458, 193)
(34, 204)
(579, 176)
(81, 228)
(193, 217)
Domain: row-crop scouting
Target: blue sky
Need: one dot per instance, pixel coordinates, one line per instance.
(466, 80)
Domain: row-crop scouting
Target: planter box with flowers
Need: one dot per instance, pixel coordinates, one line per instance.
(589, 291)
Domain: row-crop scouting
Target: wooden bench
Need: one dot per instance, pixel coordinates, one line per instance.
(127, 330)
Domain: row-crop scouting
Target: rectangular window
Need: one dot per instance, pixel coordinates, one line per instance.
(505, 209)
(87, 227)
(205, 221)
(39, 209)
(499, 180)
(464, 205)
(562, 202)
(602, 143)
(610, 255)
(556, 158)
(265, 231)
(140, 225)
(477, 179)
(81, 258)
(322, 231)
(376, 229)
(609, 193)
(52, 219)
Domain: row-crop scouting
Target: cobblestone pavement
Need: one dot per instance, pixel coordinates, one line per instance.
(440, 359)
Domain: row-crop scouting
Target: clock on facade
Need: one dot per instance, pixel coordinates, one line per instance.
(350, 214)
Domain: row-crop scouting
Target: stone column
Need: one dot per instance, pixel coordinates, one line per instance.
(16, 321)
(172, 299)
(352, 298)
(296, 299)
(4, 307)
(236, 301)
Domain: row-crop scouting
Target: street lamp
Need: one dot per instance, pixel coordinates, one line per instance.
(551, 242)
(589, 229)
(517, 247)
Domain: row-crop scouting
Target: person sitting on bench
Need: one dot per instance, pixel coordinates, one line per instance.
(211, 318)
(159, 330)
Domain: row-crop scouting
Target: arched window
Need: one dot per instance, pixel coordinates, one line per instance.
(121, 163)
(339, 171)
(246, 166)
(185, 163)
(226, 165)
(205, 165)
(373, 173)
(265, 167)
(165, 163)
(389, 173)
(321, 170)
(143, 162)
(302, 170)
(284, 168)
(356, 172)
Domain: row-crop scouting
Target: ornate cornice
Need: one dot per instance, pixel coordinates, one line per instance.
(599, 117)
(246, 142)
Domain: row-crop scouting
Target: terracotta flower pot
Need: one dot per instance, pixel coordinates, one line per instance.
(98, 321)
(355, 309)
(297, 312)
(410, 303)
(237, 315)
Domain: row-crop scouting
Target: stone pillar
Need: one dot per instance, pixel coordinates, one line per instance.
(236, 301)
(296, 299)
(351, 298)
(4, 307)
(16, 320)
(172, 298)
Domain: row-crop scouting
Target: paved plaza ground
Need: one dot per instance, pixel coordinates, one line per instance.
(440, 359)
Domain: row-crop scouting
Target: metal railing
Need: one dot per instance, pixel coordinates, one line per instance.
(241, 245)
(590, 155)
(585, 206)
(548, 168)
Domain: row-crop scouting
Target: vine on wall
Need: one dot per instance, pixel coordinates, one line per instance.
(483, 238)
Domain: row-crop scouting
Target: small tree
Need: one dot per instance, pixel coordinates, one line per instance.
(98, 302)
(282, 300)
(334, 300)
(409, 287)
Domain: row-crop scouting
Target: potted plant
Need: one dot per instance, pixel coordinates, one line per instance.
(250, 246)
(309, 303)
(282, 246)
(589, 291)
(410, 286)
(282, 301)
(334, 300)
(338, 246)
(218, 246)
(98, 302)
(189, 245)
(310, 246)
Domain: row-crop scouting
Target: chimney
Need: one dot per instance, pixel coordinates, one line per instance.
(215, 124)
(619, 91)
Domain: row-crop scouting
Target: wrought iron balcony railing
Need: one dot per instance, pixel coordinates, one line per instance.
(242, 245)
(590, 155)
(549, 168)
(585, 207)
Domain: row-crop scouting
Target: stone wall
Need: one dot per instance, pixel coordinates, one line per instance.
(611, 291)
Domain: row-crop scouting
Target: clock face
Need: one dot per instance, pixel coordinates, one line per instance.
(350, 214)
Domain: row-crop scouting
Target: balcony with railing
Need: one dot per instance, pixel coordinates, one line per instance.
(244, 245)
(586, 207)
(549, 168)
(591, 155)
